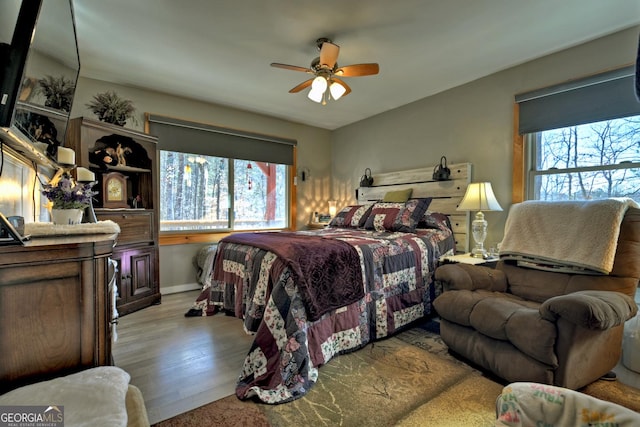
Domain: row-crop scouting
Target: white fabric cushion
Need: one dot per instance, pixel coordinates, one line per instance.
(93, 397)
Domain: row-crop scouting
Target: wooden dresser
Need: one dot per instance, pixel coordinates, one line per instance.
(55, 307)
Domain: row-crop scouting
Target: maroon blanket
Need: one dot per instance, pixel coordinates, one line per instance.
(327, 271)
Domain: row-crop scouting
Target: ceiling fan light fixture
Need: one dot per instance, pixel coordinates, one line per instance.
(319, 84)
(315, 95)
(337, 90)
(326, 73)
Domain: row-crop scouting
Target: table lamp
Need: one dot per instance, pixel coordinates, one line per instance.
(479, 197)
(332, 208)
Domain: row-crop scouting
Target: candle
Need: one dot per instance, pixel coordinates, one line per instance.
(66, 156)
(85, 175)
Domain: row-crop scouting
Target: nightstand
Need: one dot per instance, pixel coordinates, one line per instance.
(466, 258)
(317, 225)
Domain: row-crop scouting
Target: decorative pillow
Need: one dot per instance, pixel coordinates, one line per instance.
(353, 216)
(434, 220)
(386, 216)
(399, 196)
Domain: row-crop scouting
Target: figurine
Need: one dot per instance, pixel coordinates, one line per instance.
(137, 203)
(104, 157)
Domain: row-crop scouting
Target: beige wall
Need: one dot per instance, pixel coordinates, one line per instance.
(470, 123)
(313, 143)
(313, 152)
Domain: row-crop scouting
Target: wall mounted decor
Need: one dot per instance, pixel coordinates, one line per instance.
(366, 180)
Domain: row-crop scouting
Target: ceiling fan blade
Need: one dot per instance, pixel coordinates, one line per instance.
(346, 86)
(305, 84)
(357, 70)
(292, 67)
(329, 54)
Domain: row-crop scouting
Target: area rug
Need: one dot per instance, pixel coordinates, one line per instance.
(379, 385)
(407, 380)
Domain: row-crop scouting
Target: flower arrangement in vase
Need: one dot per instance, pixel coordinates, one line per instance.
(67, 195)
(110, 108)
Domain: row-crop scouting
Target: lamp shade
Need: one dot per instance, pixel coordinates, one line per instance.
(479, 197)
(315, 95)
(337, 90)
(319, 84)
(332, 208)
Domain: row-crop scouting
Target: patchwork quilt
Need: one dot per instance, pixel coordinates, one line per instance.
(292, 336)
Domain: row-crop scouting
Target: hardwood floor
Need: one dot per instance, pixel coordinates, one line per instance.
(180, 363)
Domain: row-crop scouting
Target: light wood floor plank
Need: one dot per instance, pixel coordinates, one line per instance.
(180, 363)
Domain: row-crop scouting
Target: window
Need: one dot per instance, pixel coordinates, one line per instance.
(582, 138)
(591, 161)
(19, 191)
(260, 197)
(200, 193)
(214, 178)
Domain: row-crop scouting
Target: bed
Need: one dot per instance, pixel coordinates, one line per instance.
(308, 296)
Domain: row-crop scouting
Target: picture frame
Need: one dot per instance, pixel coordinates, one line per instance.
(8, 233)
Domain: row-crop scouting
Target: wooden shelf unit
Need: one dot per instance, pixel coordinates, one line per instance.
(136, 251)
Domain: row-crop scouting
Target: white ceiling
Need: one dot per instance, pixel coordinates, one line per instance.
(220, 51)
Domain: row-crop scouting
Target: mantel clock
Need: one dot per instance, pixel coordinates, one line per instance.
(114, 190)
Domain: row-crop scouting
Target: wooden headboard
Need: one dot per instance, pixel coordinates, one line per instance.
(446, 194)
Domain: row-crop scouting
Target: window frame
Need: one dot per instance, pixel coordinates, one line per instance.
(167, 238)
(174, 236)
(531, 140)
(522, 146)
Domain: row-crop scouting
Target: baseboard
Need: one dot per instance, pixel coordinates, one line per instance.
(166, 290)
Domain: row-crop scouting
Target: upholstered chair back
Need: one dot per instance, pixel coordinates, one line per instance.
(538, 285)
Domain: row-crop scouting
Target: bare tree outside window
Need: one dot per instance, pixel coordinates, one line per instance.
(590, 161)
(199, 193)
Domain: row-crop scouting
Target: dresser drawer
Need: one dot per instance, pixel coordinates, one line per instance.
(136, 225)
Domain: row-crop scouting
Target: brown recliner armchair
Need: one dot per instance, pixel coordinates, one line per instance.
(529, 325)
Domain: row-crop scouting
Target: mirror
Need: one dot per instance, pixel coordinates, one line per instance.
(46, 86)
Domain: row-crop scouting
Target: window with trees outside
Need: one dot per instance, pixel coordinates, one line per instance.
(589, 161)
(203, 193)
(582, 138)
(214, 178)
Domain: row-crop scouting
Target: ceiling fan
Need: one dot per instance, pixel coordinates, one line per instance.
(327, 73)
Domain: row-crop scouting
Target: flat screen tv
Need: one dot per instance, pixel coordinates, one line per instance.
(39, 67)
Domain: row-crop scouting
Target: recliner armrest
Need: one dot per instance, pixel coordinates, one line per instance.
(590, 309)
(470, 277)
